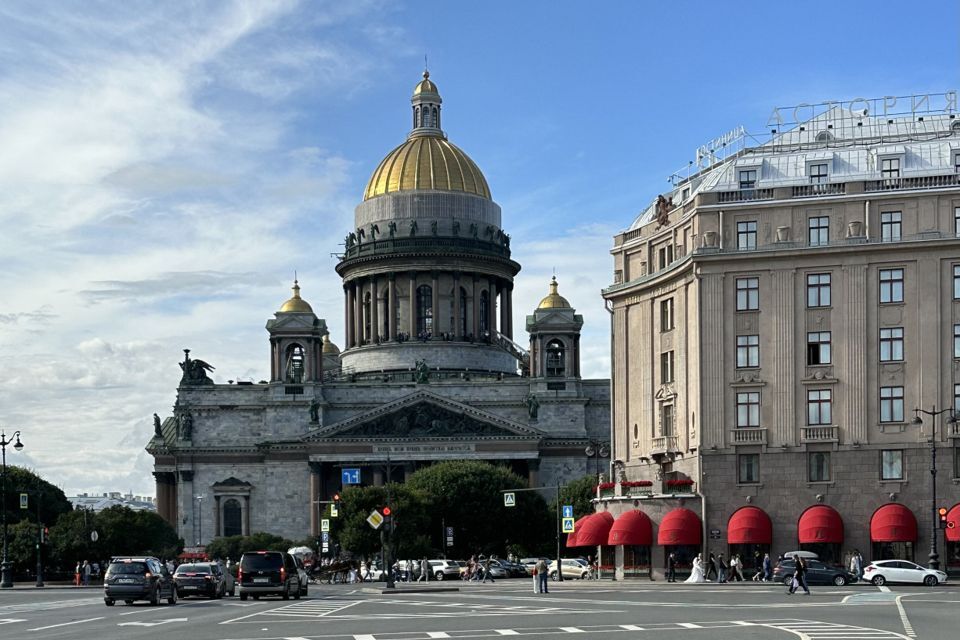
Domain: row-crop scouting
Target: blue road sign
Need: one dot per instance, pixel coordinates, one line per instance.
(568, 511)
(350, 476)
(324, 537)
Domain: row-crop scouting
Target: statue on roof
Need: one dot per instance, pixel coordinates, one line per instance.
(533, 405)
(157, 429)
(392, 229)
(315, 411)
(422, 374)
(663, 210)
(194, 371)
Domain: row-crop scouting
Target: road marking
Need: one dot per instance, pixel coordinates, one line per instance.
(437, 634)
(744, 623)
(884, 589)
(507, 632)
(150, 624)
(364, 637)
(10, 620)
(689, 625)
(66, 624)
(631, 627)
(907, 627)
(572, 630)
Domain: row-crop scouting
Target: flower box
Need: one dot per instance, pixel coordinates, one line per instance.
(683, 485)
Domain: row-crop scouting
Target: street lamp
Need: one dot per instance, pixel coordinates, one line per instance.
(199, 520)
(597, 449)
(935, 525)
(6, 579)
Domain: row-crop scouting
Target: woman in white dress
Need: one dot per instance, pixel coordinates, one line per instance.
(697, 574)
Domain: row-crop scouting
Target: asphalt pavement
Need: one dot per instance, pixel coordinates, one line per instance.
(598, 609)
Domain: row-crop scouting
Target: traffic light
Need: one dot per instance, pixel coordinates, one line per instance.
(44, 534)
(942, 512)
(335, 507)
(387, 511)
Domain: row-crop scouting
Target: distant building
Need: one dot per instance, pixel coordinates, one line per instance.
(101, 501)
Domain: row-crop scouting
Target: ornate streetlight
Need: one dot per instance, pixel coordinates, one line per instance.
(597, 449)
(935, 524)
(6, 579)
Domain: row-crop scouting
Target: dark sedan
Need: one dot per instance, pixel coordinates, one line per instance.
(817, 573)
(200, 579)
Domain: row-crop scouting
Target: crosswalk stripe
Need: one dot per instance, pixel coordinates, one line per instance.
(364, 636)
(572, 630)
(689, 625)
(744, 623)
(631, 627)
(437, 634)
(507, 632)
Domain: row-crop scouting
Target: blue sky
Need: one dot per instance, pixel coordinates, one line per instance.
(165, 167)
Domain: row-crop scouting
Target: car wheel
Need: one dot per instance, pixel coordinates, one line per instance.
(155, 596)
(243, 597)
(438, 575)
(108, 601)
(930, 581)
(839, 581)
(879, 581)
(553, 576)
(172, 600)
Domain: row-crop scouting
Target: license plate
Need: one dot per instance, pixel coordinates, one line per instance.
(188, 588)
(261, 579)
(127, 580)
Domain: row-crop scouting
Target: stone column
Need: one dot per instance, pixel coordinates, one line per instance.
(412, 320)
(374, 315)
(492, 308)
(185, 488)
(784, 357)
(475, 329)
(435, 299)
(392, 306)
(351, 294)
(853, 364)
(216, 517)
(508, 302)
(166, 508)
(314, 506)
(348, 334)
(361, 320)
(533, 473)
(456, 329)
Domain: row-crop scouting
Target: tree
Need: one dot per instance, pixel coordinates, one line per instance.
(22, 547)
(53, 502)
(409, 514)
(579, 493)
(235, 546)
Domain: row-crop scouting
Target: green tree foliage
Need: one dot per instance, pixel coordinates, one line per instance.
(22, 547)
(53, 502)
(235, 546)
(579, 493)
(410, 515)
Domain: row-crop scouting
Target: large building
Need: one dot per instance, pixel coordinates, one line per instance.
(429, 371)
(778, 316)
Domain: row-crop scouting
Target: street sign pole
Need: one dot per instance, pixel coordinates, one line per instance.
(509, 500)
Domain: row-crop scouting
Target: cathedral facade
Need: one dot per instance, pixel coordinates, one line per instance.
(430, 369)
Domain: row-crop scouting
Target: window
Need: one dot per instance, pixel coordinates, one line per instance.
(665, 254)
(891, 464)
(556, 357)
(818, 347)
(748, 178)
(956, 217)
(666, 420)
(818, 173)
(484, 313)
(424, 310)
(956, 462)
(819, 407)
(891, 404)
(956, 282)
(666, 366)
(818, 231)
(890, 226)
(296, 364)
(891, 344)
(890, 168)
(748, 352)
(956, 398)
(666, 314)
(748, 294)
(747, 235)
(956, 161)
(818, 290)
(891, 285)
(749, 464)
(819, 466)
(748, 409)
(232, 518)
(956, 341)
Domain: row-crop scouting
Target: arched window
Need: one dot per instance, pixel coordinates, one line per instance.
(556, 359)
(232, 518)
(296, 362)
(484, 312)
(416, 117)
(426, 117)
(424, 310)
(462, 324)
(367, 306)
(436, 118)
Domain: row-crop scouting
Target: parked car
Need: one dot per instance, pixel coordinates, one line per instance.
(884, 571)
(445, 569)
(263, 573)
(572, 568)
(131, 579)
(529, 564)
(200, 579)
(817, 573)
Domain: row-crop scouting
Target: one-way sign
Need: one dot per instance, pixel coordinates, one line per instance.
(568, 511)
(510, 499)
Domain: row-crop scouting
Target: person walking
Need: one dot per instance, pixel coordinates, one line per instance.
(87, 569)
(767, 568)
(542, 572)
(799, 576)
(76, 573)
(711, 571)
(424, 571)
(856, 565)
(721, 569)
(738, 568)
(671, 567)
(408, 568)
(486, 570)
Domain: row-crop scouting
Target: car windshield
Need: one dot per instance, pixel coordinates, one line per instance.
(127, 568)
(261, 561)
(193, 568)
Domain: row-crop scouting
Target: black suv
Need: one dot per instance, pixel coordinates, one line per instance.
(200, 579)
(263, 573)
(130, 579)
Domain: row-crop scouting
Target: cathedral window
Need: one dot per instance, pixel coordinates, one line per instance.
(556, 359)
(426, 122)
(484, 312)
(367, 307)
(436, 118)
(296, 362)
(232, 518)
(416, 117)
(424, 310)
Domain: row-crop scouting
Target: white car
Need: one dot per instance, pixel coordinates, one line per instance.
(572, 568)
(884, 571)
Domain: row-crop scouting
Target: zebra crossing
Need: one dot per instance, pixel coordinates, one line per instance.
(50, 605)
(813, 629)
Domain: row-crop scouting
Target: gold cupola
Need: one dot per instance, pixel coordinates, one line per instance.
(329, 349)
(296, 304)
(554, 300)
(427, 160)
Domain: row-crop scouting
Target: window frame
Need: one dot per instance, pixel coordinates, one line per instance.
(890, 341)
(749, 346)
(755, 466)
(892, 395)
(819, 401)
(816, 286)
(746, 235)
(748, 409)
(751, 293)
(956, 216)
(748, 182)
(818, 231)
(815, 175)
(816, 339)
(667, 318)
(667, 370)
(824, 466)
(887, 169)
(883, 464)
(668, 426)
(956, 341)
(892, 284)
(956, 282)
(889, 221)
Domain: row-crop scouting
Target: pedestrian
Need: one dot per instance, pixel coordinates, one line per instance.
(721, 569)
(87, 569)
(542, 572)
(856, 565)
(77, 572)
(408, 569)
(486, 570)
(424, 571)
(767, 568)
(367, 571)
(671, 568)
(711, 568)
(799, 576)
(536, 580)
(738, 568)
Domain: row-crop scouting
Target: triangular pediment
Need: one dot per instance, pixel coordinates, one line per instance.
(291, 322)
(423, 415)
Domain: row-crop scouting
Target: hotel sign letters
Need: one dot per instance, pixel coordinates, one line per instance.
(861, 107)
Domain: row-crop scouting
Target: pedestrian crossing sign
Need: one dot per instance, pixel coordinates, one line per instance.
(324, 525)
(510, 499)
(567, 525)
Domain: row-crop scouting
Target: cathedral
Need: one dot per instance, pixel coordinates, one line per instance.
(430, 369)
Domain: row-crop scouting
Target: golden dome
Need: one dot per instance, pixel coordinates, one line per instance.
(554, 300)
(296, 304)
(329, 349)
(427, 162)
(426, 85)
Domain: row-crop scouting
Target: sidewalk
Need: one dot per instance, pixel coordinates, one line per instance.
(57, 585)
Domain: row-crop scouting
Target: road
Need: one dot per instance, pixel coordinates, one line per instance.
(614, 610)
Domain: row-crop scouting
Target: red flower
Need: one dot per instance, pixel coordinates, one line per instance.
(605, 485)
(683, 482)
(636, 483)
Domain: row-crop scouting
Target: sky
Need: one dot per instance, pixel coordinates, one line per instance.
(165, 168)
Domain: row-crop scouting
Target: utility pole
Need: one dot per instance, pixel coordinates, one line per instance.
(39, 539)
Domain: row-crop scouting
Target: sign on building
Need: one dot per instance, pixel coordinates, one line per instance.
(510, 499)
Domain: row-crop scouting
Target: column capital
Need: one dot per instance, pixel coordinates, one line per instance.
(186, 476)
(165, 477)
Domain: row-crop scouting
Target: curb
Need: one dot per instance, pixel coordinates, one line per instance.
(384, 590)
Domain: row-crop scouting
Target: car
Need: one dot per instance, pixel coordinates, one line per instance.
(529, 564)
(884, 571)
(144, 578)
(572, 568)
(445, 569)
(200, 579)
(263, 573)
(817, 573)
(302, 574)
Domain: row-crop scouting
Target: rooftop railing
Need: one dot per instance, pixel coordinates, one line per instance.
(426, 244)
(918, 182)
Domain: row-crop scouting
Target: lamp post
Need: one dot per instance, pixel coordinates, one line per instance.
(933, 413)
(200, 520)
(6, 579)
(597, 449)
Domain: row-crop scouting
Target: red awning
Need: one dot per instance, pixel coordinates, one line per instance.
(820, 523)
(749, 525)
(633, 528)
(595, 529)
(577, 526)
(893, 523)
(953, 524)
(680, 526)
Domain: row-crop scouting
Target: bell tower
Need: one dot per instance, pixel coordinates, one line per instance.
(554, 330)
(296, 342)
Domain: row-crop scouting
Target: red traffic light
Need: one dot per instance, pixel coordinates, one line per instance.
(942, 511)
(387, 511)
(336, 497)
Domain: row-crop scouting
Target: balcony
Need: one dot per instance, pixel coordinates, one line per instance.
(749, 435)
(665, 444)
(953, 430)
(919, 182)
(745, 195)
(814, 190)
(820, 434)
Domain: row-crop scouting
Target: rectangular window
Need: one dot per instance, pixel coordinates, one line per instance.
(665, 256)
(818, 347)
(891, 404)
(891, 344)
(956, 398)
(956, 218)
(956, 282)
(749, 464)
(746, 235)
(819, 464)
(890, 226)
(819, 409)
(818, 290)
(748, 409)
(891, 285)
(748, 352)
(818, 173)
(891, 464)
(666, 366)
(956, 341)
(818, 231)
(748, 178)
(748, 294)
(666, 314)
(890, 168)
(666, 419)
